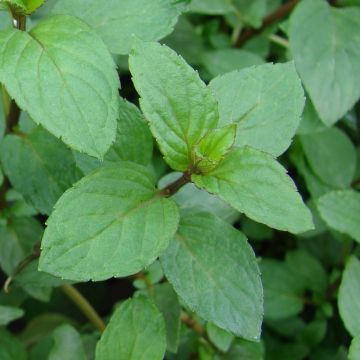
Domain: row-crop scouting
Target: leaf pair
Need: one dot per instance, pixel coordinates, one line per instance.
(183, 116)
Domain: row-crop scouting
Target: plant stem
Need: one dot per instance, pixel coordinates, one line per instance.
(79, 300)
(172, 188)
(22, 265)
(277, 15)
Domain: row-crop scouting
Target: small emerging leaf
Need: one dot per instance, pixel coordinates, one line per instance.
(213, 147)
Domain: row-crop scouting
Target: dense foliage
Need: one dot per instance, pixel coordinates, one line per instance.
(207, 208)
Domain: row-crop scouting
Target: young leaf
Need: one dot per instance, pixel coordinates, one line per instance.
(67, 345)
(213, 147)
(341, 211)
(326, 50)
(265, 102)
(331, 155)
(39, 166)
(111, 223)
(117, 21)
(215, 272)
(136, 331)
(178, 105)
(257, 185)
(9, 314)
(62, 74)
(349, 295)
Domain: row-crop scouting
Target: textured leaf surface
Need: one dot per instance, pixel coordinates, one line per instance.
(136, 331)
(178, 105)
(214, 270)
(24, 6)
(133, 141)
(67, 344)
(118, 21)
(62, 74)
(111, 223)
(213, 147)
(17, 238)
(331, 155)
(265, 101)
(9, 313)
(39, 166)
(257, 185)
(326, 47)
(341, 211)
(349, 295)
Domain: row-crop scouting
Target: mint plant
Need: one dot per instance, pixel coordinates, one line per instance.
(185, 174)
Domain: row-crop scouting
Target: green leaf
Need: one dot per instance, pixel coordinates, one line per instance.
(211, 7)
(17, 239)
(354, 351)
(39, 166)
(349, 295)
(62, 74)
(331, 156)
(212, 148)
(177, 104)
(341, 211)
(246, 350)
(118, 22)
(307, 270)
(215, 272)
(67, 345)
(113, 222)
(265, 102)
(310, 122)
(9, 314)
(136, 331)
(326, 50)
(133, 141)
(167, 302)
(222, 61)
(283, 294)
(10, 347)
(251, 12)
(257, 185)
(221, 338)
